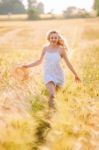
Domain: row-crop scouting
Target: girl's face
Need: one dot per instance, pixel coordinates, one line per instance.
(53, 39)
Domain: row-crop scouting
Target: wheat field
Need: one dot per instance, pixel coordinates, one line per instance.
(24, 124)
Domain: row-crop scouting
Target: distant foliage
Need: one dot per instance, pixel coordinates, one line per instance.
(73, 12)
(35, 9)
(96, 6)
(11, 6)
(33, 14)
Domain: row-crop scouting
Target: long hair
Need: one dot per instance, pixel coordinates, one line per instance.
(61, 40)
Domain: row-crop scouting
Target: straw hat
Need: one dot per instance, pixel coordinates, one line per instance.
(21, 73)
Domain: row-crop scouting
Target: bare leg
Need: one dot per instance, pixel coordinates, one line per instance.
(51, 90)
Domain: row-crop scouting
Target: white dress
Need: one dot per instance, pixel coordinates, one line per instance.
(52, 69)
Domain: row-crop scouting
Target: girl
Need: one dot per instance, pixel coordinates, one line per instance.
(53, 73)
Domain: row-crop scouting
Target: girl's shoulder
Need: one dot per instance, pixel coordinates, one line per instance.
(60, 48)
(45, 48)
(62, 51)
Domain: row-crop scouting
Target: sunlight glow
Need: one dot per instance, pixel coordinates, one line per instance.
(58, 6)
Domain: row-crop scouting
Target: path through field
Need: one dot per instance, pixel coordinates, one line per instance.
(9, 36)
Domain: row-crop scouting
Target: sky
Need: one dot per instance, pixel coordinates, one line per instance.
(59, 5)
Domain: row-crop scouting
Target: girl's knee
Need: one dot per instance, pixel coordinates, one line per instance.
(52, 96)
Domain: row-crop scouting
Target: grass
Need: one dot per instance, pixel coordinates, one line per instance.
(24, 17)
(24, 103)
(13, 17)
(94, 34)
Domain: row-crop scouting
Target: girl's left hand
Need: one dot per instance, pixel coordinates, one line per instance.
(24, 66)
(77, 79)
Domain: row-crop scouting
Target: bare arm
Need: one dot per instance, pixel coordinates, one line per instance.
(37, 62)
(64, 56)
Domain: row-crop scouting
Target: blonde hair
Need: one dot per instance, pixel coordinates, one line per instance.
(61, 41)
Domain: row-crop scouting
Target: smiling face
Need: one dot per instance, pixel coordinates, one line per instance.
(53, 39)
